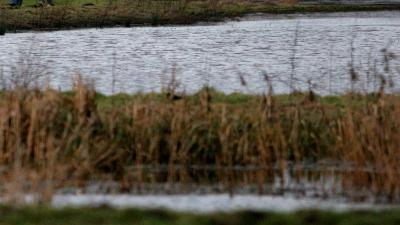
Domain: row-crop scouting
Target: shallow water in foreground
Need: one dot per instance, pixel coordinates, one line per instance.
(311, 190)
(210, 203)
(311, 47)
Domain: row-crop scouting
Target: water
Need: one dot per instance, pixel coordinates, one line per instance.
(215, 189)
(314, 49)
(211, 203)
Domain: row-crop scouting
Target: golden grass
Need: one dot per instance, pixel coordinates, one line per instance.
(50, 139)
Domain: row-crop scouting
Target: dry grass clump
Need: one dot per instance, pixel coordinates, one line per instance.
(50, 140)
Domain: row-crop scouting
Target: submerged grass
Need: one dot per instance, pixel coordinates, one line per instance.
(105, 215)
(101, 13)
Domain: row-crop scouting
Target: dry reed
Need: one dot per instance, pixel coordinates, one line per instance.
(50, 140)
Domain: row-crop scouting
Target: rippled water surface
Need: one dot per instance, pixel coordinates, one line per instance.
(312, 49)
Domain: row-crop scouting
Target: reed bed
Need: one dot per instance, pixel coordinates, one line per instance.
(50, 140)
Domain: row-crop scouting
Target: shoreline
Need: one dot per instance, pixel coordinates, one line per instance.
(70, 18)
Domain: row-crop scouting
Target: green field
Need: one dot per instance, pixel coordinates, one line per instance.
(108, 216)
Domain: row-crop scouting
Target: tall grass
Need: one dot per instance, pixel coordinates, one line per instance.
(50, 139)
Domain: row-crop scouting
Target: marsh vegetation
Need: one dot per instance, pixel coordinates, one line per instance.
(301, 143)
(331, 146)
(50, 140)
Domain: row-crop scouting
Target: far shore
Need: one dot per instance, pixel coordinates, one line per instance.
(156, 13)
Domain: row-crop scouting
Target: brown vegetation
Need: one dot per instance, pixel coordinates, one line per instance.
(155, 12)
(50, 139)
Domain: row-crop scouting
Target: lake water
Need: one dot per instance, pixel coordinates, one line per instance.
(295, 51)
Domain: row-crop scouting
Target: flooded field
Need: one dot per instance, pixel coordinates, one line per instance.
(297, 51)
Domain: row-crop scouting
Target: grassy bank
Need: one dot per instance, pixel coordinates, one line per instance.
(104, 215)
(101, 13)
(67, 139)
